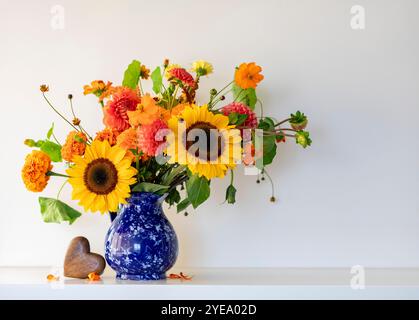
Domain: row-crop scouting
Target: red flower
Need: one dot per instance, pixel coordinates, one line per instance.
(123, 100)
(240, 108)
(184, 76)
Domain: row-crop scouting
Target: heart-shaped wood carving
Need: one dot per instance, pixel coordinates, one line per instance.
(79, 261)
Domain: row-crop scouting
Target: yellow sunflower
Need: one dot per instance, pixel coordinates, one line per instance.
(101, 179)
(204, 142)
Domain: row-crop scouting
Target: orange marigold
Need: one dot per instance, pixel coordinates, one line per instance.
(111, 135)
(35, 169)
(72, 147)
(248, 75)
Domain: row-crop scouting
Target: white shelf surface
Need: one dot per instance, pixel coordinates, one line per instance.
(213, 284)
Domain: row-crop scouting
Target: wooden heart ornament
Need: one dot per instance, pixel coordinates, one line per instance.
(79, 261)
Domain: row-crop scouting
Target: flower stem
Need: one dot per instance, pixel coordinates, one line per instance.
(61, 189)
(57, 112)
(282, 122)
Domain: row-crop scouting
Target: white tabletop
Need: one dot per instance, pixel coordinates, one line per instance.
(223, 284)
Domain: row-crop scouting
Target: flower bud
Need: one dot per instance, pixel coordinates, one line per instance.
(30, 143)
(70, 96)
(213, 92)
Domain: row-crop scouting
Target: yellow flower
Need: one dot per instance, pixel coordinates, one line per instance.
(101, 179)
(170, 68)
(211, 155)
(34, 172)
(202, 68)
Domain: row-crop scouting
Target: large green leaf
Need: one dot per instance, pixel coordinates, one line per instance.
(132, 75)
(183, 205)
(157, 80)
(198, 190)
(246, 96)
(150, 187)
(52, 149)
(56, 211)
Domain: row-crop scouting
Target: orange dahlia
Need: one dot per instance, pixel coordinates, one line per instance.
(109, 135)
(248, 75)
(116, 111)
(35, 169)
(151, 136)
(73, 146)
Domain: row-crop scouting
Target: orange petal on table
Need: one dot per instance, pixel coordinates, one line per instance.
(93, 276)
(51, 277)
(180, 276)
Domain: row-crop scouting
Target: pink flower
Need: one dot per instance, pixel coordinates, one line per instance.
(150, 137)
(240, 108)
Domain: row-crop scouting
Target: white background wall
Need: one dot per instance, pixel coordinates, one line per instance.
(350, 199)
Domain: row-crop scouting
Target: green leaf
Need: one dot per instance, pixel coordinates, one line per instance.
(233, 117)
(50, 132)
(53, 150)
(269, 150)
(157, 80)
(173, 197)
(55, 211)
(132, 75)
(183, 205)
(246, 96)
(150, 187)
(266, 124)
(198, 190)
(231, 194)
(79, 139)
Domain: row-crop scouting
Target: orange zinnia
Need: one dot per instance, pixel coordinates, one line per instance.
(147, 112)
(34, 172)
(99, 89)
(248, 75)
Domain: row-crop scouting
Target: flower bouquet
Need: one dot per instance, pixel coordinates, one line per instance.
(155, 148)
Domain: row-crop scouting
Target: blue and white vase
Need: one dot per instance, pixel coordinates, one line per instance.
(141, 243)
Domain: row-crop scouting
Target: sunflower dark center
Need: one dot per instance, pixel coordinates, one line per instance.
(204, 141)
(101, 176)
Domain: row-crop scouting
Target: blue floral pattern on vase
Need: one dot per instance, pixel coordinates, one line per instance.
(141, 243)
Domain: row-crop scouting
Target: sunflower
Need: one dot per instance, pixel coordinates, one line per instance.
(101, 179)
(210, 157)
